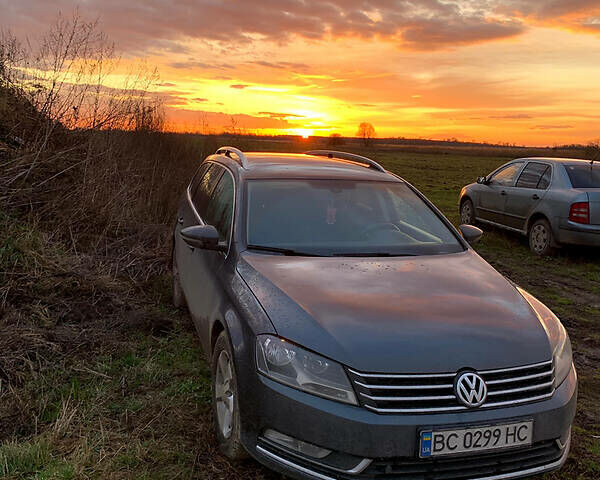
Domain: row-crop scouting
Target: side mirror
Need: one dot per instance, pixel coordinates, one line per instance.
(470, 233)
(482, 180)
(202, 236)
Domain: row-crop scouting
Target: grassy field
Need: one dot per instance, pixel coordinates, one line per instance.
(101, 378)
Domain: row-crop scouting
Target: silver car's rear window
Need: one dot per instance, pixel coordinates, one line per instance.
(584, 176)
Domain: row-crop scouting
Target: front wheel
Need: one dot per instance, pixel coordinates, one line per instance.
(467, 213)
(540, 238)
(225, 396)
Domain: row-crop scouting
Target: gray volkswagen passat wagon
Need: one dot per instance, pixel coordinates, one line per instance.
(553, 201)
(354, 333)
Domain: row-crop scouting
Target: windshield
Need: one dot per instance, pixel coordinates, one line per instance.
(584, 176)
(343, 218)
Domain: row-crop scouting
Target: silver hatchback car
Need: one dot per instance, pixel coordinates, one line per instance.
(553, 201)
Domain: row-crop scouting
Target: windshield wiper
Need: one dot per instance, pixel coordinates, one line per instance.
(283, 251)
(374, 254)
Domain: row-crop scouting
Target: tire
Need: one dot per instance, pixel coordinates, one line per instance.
(467, 213)
(225, 406)
(178, 296)
(540, 238)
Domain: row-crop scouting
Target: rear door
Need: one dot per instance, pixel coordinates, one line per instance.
(492, 196)
(530, 188)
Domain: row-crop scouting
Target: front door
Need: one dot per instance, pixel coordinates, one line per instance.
(190, 260)
(492, 196)
(206, 265)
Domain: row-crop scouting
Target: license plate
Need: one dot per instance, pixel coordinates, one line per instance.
(436, 443)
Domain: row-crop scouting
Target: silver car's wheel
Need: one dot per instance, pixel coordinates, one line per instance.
(226, 409)
(224, 394)
(540, 238)
(467, 213)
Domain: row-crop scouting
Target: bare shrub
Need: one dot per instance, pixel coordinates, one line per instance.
(93, 162)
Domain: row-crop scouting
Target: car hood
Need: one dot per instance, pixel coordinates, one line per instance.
(435, 313)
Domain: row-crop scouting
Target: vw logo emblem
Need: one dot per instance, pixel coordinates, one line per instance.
(471, 390)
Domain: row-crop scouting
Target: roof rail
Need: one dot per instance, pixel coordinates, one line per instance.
(227, 151)
(347, 156)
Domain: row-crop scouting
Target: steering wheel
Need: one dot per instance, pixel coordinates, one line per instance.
(380, 226)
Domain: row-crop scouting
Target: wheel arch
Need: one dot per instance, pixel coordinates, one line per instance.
(216, 330)
(464, 198)
(231, 324)
(534, 217)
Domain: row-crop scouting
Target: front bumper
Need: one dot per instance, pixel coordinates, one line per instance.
(368, 444)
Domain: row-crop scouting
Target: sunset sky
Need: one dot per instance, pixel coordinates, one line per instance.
(501, 71)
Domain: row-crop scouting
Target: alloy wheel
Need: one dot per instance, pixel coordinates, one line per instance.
(225, 394)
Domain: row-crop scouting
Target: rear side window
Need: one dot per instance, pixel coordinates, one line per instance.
(506, 176)
(545, 180)
(584, 176)
(220, 207)
(531, 176)
(200, 197)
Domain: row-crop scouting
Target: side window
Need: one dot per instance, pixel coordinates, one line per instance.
(531, 175)
(198, 178)
(220, 207)
(544, 182)
(205, 187)
(506, 176)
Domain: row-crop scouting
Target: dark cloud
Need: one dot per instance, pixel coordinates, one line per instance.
(576, 15)
(190, 64)
(435, 33)
(281, 65)
(164, 25)
(219, 121)
(239, 86)
(512, 116)
(280, 115)
(198, 99)
(552, 127)
(187, 65)
(546, 9)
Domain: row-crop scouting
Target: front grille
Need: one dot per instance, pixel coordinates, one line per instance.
(434, 393)
(460, 468)
(511, 463)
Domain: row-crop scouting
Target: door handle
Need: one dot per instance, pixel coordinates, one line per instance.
(503, 192)
(535, 196)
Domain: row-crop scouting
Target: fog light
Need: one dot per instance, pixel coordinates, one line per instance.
(299, 446)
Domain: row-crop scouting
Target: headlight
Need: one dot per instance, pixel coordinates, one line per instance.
(563, 356)
(291, 365)
(558, 337)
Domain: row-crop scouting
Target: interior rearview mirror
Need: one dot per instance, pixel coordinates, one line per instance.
(470, 233)
(202, 236)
